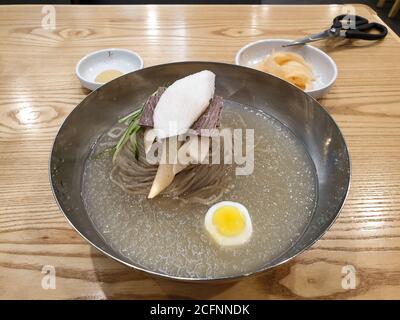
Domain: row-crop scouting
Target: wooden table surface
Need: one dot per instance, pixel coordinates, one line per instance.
(38, 89)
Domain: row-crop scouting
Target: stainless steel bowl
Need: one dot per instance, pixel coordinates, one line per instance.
(303, 115)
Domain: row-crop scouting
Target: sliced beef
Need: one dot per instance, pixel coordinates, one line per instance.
(210, 119)
(146, 119)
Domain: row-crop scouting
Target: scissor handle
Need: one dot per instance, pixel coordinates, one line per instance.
(362, 28)
(363, 32)
(337, 22)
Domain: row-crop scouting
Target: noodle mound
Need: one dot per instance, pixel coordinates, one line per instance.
(200, 183)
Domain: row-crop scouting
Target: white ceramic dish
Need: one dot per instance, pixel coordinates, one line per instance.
(96, 62)
(324, 67)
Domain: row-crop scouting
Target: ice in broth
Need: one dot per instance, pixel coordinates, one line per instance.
(168, 235)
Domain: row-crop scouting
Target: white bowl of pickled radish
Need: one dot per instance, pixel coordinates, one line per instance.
(100, 67)
(323, 67)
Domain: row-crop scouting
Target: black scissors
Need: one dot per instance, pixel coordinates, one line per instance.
(347, 26)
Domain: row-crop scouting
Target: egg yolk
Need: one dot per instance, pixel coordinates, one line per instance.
(229, 221)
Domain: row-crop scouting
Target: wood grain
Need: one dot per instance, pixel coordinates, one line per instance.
(39, 89)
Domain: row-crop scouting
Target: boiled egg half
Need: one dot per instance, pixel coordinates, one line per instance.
(228, 223)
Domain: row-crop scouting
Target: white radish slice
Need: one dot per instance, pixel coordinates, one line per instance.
(193, 151)
(182, 103)
(165, 172)
(148, 138)
(164, 176)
